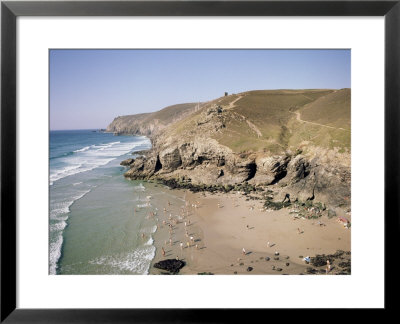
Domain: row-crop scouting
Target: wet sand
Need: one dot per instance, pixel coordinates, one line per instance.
(224, 224)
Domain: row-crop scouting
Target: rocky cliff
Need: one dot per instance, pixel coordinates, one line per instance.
(292, 144)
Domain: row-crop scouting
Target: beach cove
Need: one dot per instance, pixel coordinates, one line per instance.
(223, 224)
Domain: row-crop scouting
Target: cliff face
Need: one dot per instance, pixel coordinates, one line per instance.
(261, 139)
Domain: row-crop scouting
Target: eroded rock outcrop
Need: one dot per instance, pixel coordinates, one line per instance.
(296, 176)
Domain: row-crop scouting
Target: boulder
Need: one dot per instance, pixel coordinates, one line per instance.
(171, 265)
(127, 162)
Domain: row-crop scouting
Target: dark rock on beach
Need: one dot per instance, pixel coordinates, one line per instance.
(170, 265)
(320, 260)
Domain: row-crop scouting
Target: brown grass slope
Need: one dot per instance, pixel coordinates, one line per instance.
(326, 122)
(150, 123)
(266, 120)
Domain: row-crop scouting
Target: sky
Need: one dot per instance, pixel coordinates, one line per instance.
(89, 88)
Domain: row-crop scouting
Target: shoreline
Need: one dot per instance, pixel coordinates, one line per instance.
(222, 224)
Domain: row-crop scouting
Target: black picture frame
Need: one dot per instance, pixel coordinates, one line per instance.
(10, 10)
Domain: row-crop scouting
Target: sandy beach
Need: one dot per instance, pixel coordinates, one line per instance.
(228, 233)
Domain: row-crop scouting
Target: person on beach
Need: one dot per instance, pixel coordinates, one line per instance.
(243, 251)
(163, 251)
(181, 244)
(192, 239)
(328, 266)
(267, 244)
(170, 241)
(187, 244)
(298, 230)
(142, 235)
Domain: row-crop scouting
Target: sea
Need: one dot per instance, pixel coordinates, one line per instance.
(99, 221)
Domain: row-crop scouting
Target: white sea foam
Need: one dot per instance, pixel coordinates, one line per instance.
(58, 226)
(137, 261)
(59, 215)
(55, 253)
(91, 157)
(62, 208)
(82, 149)
(144, 205)
(86, 165)
(150, 241)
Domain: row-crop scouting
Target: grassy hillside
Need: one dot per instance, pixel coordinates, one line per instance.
(332, 110)
(325, 122)
(272, 120)
(151, 123)
(171, 113)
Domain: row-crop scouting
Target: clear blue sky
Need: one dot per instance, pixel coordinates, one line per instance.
(88, 88)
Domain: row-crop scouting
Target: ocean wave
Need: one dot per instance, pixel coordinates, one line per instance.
(58, 226)
(62, 155)
(82, 149)
(55, 253)
(78, 168)
(89, 158)
(138, 261)
(59, 174)
(58, 216)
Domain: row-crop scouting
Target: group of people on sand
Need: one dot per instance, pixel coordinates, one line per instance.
(172, 222)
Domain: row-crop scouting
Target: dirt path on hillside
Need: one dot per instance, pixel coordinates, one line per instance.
(232, 103)
(308, 122)
(253, 127)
